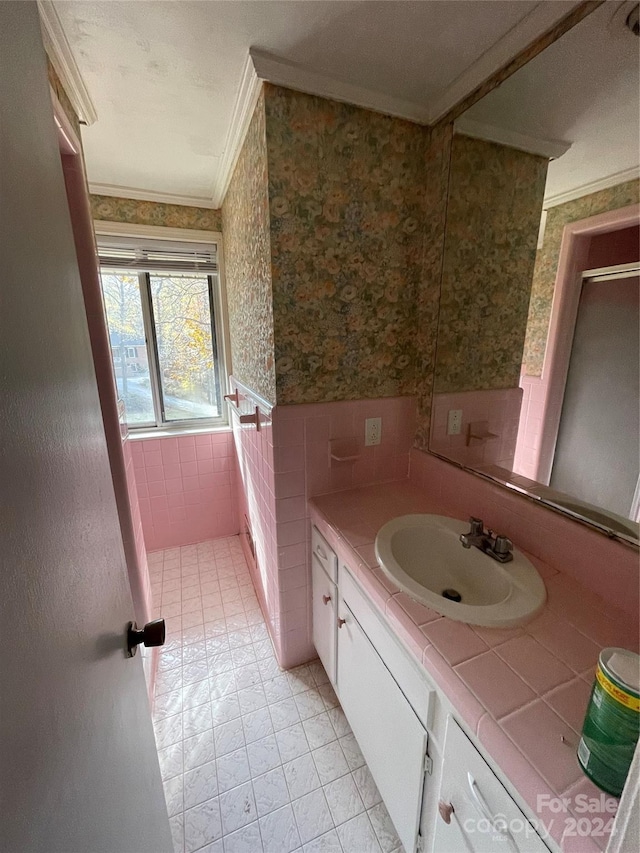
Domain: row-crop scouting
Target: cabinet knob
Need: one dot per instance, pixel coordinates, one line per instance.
(446, 810)
(326, 599)
(341, 622)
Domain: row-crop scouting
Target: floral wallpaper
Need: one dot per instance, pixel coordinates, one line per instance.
(346, 199)
(493, 215)
(115, 209)
(546, 266)
(437, 164)
(245, 228)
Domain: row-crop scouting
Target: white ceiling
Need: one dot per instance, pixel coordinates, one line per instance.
(584, 89)
(165, 77)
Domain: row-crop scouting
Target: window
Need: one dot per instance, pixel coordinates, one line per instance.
(162, 307)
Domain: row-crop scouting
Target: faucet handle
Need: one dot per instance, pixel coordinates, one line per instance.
(477, 526)
(502, 545)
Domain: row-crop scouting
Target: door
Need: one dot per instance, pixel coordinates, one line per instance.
(78, 765)
(596, 458)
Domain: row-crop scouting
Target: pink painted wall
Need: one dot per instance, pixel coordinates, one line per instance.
(186, 488)
(136, 520)
(605, 566)
(123, 485)
(614, 247)
(498, 409)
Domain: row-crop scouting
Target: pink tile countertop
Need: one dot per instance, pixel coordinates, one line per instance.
(523, 691)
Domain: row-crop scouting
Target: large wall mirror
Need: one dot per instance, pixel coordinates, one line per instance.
(536, 380)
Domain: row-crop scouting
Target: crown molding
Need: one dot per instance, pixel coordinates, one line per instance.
(536, 23)
(550, 148)
(150, 195)
(282, 72)
(246, 100)
(61, 57)
(592, 187)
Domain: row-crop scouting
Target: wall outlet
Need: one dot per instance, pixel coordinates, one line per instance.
(454, 425)
(372, 431)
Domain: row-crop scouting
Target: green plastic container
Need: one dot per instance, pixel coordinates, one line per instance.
(612, 722)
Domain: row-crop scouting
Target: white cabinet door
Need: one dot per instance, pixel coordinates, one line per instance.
(484, 818)
(324, 618)
(392, 739)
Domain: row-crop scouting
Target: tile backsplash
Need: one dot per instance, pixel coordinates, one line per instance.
(497, 411)
(304, 436)
(606, 566)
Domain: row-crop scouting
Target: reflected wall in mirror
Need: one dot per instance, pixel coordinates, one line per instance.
(536, 372)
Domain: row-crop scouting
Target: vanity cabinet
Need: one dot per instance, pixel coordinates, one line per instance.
(475, 812)
(435, 784)
(390, 735)
(324, 570)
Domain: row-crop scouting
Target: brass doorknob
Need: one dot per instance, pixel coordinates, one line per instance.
(341, 622)
(326, 599)
(153, 634)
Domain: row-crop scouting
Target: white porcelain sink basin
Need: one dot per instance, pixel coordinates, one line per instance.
(423, 555)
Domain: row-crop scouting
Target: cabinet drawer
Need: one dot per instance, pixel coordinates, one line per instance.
(485, 818)
(324, 554)
(390, 735)
(324, 595)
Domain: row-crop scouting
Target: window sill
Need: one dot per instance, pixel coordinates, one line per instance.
(145, 434)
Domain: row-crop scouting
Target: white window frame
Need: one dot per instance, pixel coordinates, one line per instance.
(221, 326)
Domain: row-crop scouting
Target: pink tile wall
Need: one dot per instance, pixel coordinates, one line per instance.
(256, 503)
(499, 409)
(303, 436)
(605, 566)
(286, 463)
(186, 488)
(529, 441)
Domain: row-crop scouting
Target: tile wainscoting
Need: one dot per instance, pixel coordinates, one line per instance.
(256, 508)
(186, 488)
(281, 467)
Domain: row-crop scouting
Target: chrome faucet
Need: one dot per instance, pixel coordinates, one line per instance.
(497, 547)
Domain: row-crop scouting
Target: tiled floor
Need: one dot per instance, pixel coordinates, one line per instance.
(253, 759)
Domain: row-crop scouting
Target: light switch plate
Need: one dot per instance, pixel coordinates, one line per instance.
(372, 431)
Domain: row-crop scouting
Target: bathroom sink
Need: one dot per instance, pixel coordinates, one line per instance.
(423, 556)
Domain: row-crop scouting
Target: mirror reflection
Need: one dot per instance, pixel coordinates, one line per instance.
(536, 380)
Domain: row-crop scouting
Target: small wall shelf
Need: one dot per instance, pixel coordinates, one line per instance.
(343, 450)
(478, 433)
